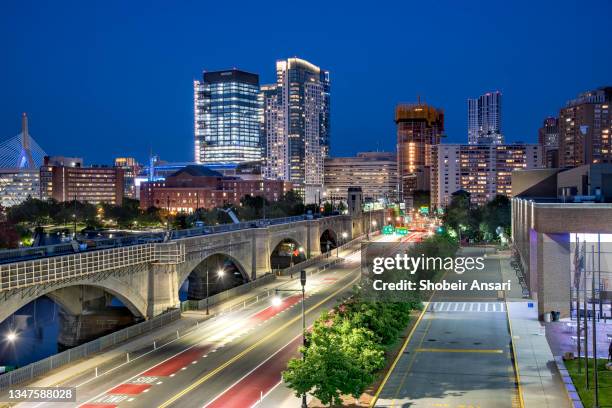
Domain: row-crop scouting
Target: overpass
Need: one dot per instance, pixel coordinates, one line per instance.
(147, 277)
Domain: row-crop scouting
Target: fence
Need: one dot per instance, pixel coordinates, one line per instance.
(44, 366)
(227, 294)
(309, 262)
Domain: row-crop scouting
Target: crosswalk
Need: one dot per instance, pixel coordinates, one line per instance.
(476, 307)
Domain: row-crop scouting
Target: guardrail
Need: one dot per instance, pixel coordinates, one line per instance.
(221, 296)
(44, 366)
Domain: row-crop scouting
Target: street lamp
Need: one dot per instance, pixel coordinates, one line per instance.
(342, 241)
(11, 336)
(220, 274)
(276, 301)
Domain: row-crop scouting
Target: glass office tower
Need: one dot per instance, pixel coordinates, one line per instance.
(227, 117)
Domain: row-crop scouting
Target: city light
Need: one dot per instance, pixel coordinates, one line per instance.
(11, 337)
(276, 301)
(344, 235)
(220, 273)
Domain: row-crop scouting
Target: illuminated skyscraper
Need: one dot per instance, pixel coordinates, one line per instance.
(297, 125)
(484, 119)
(585, 129)
(227, 117)
(548, 138)
(419, 127)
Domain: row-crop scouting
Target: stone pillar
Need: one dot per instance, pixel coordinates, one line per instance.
(163, 289)
(261, 252)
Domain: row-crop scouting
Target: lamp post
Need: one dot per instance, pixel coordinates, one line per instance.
(220, 274)
(277, 301)
(342, 241)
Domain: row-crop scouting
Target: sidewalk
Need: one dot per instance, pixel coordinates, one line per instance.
(540, 382)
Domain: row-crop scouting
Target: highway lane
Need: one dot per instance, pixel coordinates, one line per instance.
(459, 354)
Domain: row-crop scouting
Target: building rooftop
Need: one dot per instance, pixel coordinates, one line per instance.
(198, 171)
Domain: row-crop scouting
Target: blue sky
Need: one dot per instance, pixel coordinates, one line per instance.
(101, 79)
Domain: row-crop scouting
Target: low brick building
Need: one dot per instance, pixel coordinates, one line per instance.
(196, 187)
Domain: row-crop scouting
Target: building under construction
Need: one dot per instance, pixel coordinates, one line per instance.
(419, 127)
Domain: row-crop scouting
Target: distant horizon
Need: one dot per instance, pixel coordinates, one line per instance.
(104, 81)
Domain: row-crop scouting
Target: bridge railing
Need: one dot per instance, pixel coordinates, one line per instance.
(46, 270)
(91, 245)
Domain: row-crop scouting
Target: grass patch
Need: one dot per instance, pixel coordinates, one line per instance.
(605, 382)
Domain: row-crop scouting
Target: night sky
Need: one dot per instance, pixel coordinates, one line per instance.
(101, 79)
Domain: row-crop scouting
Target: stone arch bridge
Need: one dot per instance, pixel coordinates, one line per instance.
(146, 278)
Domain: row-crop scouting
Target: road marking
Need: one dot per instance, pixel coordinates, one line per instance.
(445, 350)
(206, 377)
(475, 307)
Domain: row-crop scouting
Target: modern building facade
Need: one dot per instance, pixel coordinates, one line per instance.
(131, 169)
(485, 119)
(548, 138)
(95, 185)
(483, 170)
(419, 127)
(197, 186)
(374, 172)
(585, 129)
(20, 158)
(562, 232)
(296, 122)
(227, 114)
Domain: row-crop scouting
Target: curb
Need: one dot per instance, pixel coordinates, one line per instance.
(572, 394)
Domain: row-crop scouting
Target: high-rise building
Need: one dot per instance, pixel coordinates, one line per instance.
(419, 127)
(20, 158)
(297, 125)
(130, 168)
(483, 170)
(374, 172)
(585, 129)
(548, 138)
(227, 117)
(484, 119)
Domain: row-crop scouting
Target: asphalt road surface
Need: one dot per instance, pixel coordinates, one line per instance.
(459, 354)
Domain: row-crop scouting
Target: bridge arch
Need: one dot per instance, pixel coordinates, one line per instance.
(224, 272)
(286, 252)
(328, 240)
(131, 299)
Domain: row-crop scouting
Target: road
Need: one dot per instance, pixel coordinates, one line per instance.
(458, 355)
(232, 360)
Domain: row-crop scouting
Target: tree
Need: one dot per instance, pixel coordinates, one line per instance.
(496, 213)
(340, 360)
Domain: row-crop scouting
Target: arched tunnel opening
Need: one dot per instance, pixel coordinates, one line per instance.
(60, 320)
(328, 241)
(214, 274)
(287, 253)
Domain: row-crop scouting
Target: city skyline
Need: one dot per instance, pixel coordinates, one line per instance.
(72, 94)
